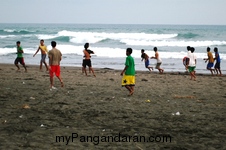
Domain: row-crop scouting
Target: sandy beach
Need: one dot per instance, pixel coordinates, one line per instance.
(32, 116)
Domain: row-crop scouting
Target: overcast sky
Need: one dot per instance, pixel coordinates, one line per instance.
(204, 12)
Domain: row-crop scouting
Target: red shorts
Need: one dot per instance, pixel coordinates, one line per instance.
(54, 69)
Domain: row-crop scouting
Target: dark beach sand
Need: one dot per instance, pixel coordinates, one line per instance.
(32, 116)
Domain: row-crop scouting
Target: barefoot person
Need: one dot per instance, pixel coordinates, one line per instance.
(20, 58)
(186, 59)
(210, 61)
(87, 60)
(145, 57)
(44, 52)
(218, 62)
(192, 63)
(55, 57)
(128, 79)
(159, 61)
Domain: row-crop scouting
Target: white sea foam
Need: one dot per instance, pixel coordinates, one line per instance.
(106, 52)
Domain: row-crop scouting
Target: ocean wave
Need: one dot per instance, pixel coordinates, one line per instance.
(187, 35)
(172, 43)
(107, 52)
(14, 31)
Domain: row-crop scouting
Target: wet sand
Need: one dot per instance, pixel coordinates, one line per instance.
(32, 116)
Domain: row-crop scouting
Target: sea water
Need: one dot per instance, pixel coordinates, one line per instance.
(109, 42)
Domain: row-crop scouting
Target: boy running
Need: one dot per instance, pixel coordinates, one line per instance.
(211, 61)
(145, 57)
(20, 57)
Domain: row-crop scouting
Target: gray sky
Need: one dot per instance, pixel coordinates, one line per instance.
(204, 12)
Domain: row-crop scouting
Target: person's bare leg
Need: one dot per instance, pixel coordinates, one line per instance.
(40, 66)
(92, 71)
(132, 90)
(61, 81)
(47, 69)
(25, 67)
(85, 71)
(51, 82)
(18, 68)
(129, 89)
(160, 70)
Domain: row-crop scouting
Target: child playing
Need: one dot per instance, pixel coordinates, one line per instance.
(20, 57)
(145, 57)
(218, 61)
(159, 61)
(211, 61)
(128, 79)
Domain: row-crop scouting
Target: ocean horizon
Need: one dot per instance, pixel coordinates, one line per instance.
(109, 42)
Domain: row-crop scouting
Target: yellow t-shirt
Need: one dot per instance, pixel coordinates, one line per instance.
(210, 56)
(44, 49)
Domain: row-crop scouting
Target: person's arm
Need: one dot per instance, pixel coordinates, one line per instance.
(216, 56)
(123, 71)
(20, 50)
(36, 52)
(50, 59)
(155, 57)
(206, 59)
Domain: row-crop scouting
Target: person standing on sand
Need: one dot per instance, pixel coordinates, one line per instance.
(145, 57)
(192, 63)
(186, 59)
(55, 57)
(159, 61)
(218, 61)
(44, 52)
(87, 60)
(128, 73)
(20, 57)
(211, 61)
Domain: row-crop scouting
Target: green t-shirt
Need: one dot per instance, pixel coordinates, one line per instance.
(130, 66)
(19, 54)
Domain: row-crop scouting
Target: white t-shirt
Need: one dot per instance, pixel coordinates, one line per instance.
(159, 60)
(192, 57)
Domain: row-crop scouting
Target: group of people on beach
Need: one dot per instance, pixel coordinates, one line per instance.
(190, 62)
(128, 73)
(54, 55)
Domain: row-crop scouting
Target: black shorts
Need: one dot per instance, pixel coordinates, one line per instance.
(19, 60)
(86, 62)
(217, 65)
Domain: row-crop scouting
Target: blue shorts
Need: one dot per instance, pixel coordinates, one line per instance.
(147, 63)
(43, 58)
(209, 65)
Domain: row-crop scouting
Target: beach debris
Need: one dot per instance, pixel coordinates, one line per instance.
(5, 121)
(113, 97)
(144, 80)
(103, 130)
(42, 125)
(23, 82)
(32, 97)
(148, 101)
(21, 116)
(26, 106)
(178, 113)
(111, 79)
